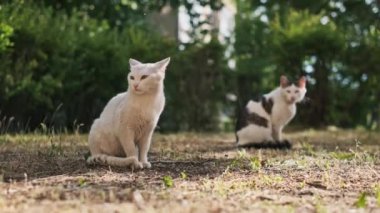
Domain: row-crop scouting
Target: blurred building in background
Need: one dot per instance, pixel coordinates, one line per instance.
(176, 22)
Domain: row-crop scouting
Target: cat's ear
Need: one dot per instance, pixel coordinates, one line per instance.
(133, 62)
(302, 82)
(161, 65)
(284, 82)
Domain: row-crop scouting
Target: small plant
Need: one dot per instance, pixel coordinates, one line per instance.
(377, 194)
(319, 207)
(272, 180)
(55, 149)
(362, 200)
(183, 175)
(243, 161)
(168, 181)
(357, 144)
(76, 127)
(82, 182)
(6, 32)
(308, 148)
(239, 160)
(255, 163)
(44, 128)
(342, 155)
(302, 184)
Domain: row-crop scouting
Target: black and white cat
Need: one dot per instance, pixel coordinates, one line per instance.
(261, 122)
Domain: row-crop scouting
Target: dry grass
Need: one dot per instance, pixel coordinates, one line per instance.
(326, 171)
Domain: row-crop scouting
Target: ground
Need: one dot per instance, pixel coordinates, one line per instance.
(325, 171)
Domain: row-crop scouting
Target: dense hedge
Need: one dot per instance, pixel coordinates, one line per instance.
(335, 43)
(61, 61)
(61, 70)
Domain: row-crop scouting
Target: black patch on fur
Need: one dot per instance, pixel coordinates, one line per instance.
(246, 118)
(242, 120)
(267, 104)
(290, 84)
(257, 98)
(254, 118)
(285, 144)
(291, 80)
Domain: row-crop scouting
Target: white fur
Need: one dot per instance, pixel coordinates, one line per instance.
(121, 136)
(283, 111)
(254, 133)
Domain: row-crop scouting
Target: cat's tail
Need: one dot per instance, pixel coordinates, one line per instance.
(108, 160)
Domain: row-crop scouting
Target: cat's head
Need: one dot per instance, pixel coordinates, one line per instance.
(145, 78)
(293, 92)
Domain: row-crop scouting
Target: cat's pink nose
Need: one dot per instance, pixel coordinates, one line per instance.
(135, 86)
(292, 99)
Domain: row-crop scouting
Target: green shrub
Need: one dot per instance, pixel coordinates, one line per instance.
(6, 32)
(62, 69)
(195, 88)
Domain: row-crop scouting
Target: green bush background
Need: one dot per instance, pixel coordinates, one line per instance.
(61, 61)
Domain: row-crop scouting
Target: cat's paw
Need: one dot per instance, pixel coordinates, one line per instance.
(147, 165)
(137, 165)
(284, 144)
(287, 144)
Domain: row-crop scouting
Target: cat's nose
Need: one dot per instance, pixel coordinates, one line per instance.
(135, 86)
(292, 99)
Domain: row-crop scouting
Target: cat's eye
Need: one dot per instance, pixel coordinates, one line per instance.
(297, 91)
(288, 91)
(144, 77)
(132, 77)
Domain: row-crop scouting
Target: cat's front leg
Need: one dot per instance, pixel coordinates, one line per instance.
(129, 146)
(144, 145)
(277, 133)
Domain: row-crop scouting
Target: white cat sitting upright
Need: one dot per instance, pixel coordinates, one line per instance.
(260, 123)
(122, 135)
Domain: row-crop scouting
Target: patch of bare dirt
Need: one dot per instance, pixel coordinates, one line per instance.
(334, 171)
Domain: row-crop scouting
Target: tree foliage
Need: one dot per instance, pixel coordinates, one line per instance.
(64, 66)
(326, 40)
(61, 61)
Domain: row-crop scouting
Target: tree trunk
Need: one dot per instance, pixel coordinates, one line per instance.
(320, 96)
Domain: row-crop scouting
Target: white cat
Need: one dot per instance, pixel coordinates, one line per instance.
(121, 136)
(261, 123)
